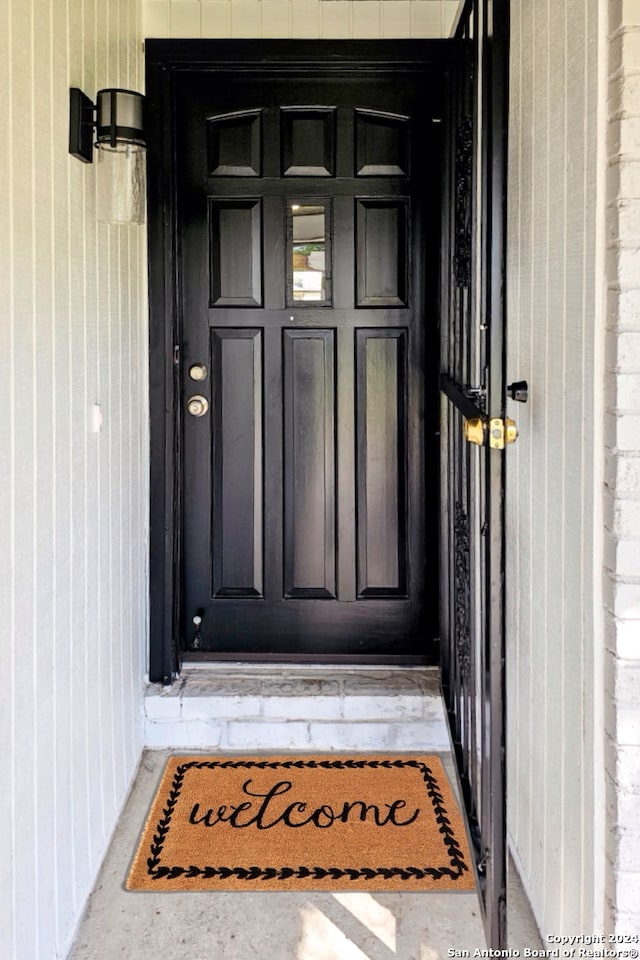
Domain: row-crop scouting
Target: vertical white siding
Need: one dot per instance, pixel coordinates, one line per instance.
(552, 490)
(73, 503)
(326, 19)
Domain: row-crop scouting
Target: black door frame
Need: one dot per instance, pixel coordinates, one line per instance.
(165, 59)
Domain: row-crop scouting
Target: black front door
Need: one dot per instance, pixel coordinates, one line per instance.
(307, 225)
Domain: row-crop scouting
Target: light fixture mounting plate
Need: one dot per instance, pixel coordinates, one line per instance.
(81, 123)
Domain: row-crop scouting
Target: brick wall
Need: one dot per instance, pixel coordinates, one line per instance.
(622, 470)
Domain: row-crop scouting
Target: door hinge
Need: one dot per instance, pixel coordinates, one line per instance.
(196, 641)
(176, 355)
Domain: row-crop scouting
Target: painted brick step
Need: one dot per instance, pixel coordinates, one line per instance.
(275, 707)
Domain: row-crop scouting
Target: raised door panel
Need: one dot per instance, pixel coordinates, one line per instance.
(308, 141)
(235, 252)
(234, 144)
(381, 252)
(381, 463)
(382, 144)
(309, 464)
(237, 494)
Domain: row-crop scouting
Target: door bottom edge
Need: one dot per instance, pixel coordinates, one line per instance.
(193, 659)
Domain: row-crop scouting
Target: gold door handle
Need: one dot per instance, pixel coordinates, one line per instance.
(474, 431)
(501, 432)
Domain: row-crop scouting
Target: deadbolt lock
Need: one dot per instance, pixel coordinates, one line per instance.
(474, 431)
(502, 432)
(197, 406)
(198, 371)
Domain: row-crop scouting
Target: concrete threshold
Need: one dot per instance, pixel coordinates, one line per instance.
(297, 707)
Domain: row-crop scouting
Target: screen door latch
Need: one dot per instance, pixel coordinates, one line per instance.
(519, 390)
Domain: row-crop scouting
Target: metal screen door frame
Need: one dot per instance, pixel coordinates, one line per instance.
(473, 390)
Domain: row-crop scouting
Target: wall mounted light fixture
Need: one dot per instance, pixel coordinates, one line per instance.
(117, 118)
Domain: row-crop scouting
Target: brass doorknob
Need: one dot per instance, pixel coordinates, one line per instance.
(474, 431)
(197, 406)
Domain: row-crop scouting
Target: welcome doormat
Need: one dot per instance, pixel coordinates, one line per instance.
(303, 823)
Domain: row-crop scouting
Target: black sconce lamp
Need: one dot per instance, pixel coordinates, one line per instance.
(117, 118)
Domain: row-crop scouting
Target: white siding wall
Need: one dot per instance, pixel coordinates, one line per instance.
(554, 490)
(622, 469)
(328, 19)
(72, 503)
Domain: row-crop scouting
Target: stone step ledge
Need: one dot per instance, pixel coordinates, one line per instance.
(297, 735)
(243, 707)
(302, 695)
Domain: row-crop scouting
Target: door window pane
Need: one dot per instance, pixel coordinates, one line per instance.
(309, 255)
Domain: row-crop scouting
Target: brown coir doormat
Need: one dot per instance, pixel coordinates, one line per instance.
(303, 823)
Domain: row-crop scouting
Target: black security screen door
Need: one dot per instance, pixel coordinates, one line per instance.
(302, 198)
(474, 435)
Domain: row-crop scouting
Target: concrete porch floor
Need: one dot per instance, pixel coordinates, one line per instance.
(281, 926)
